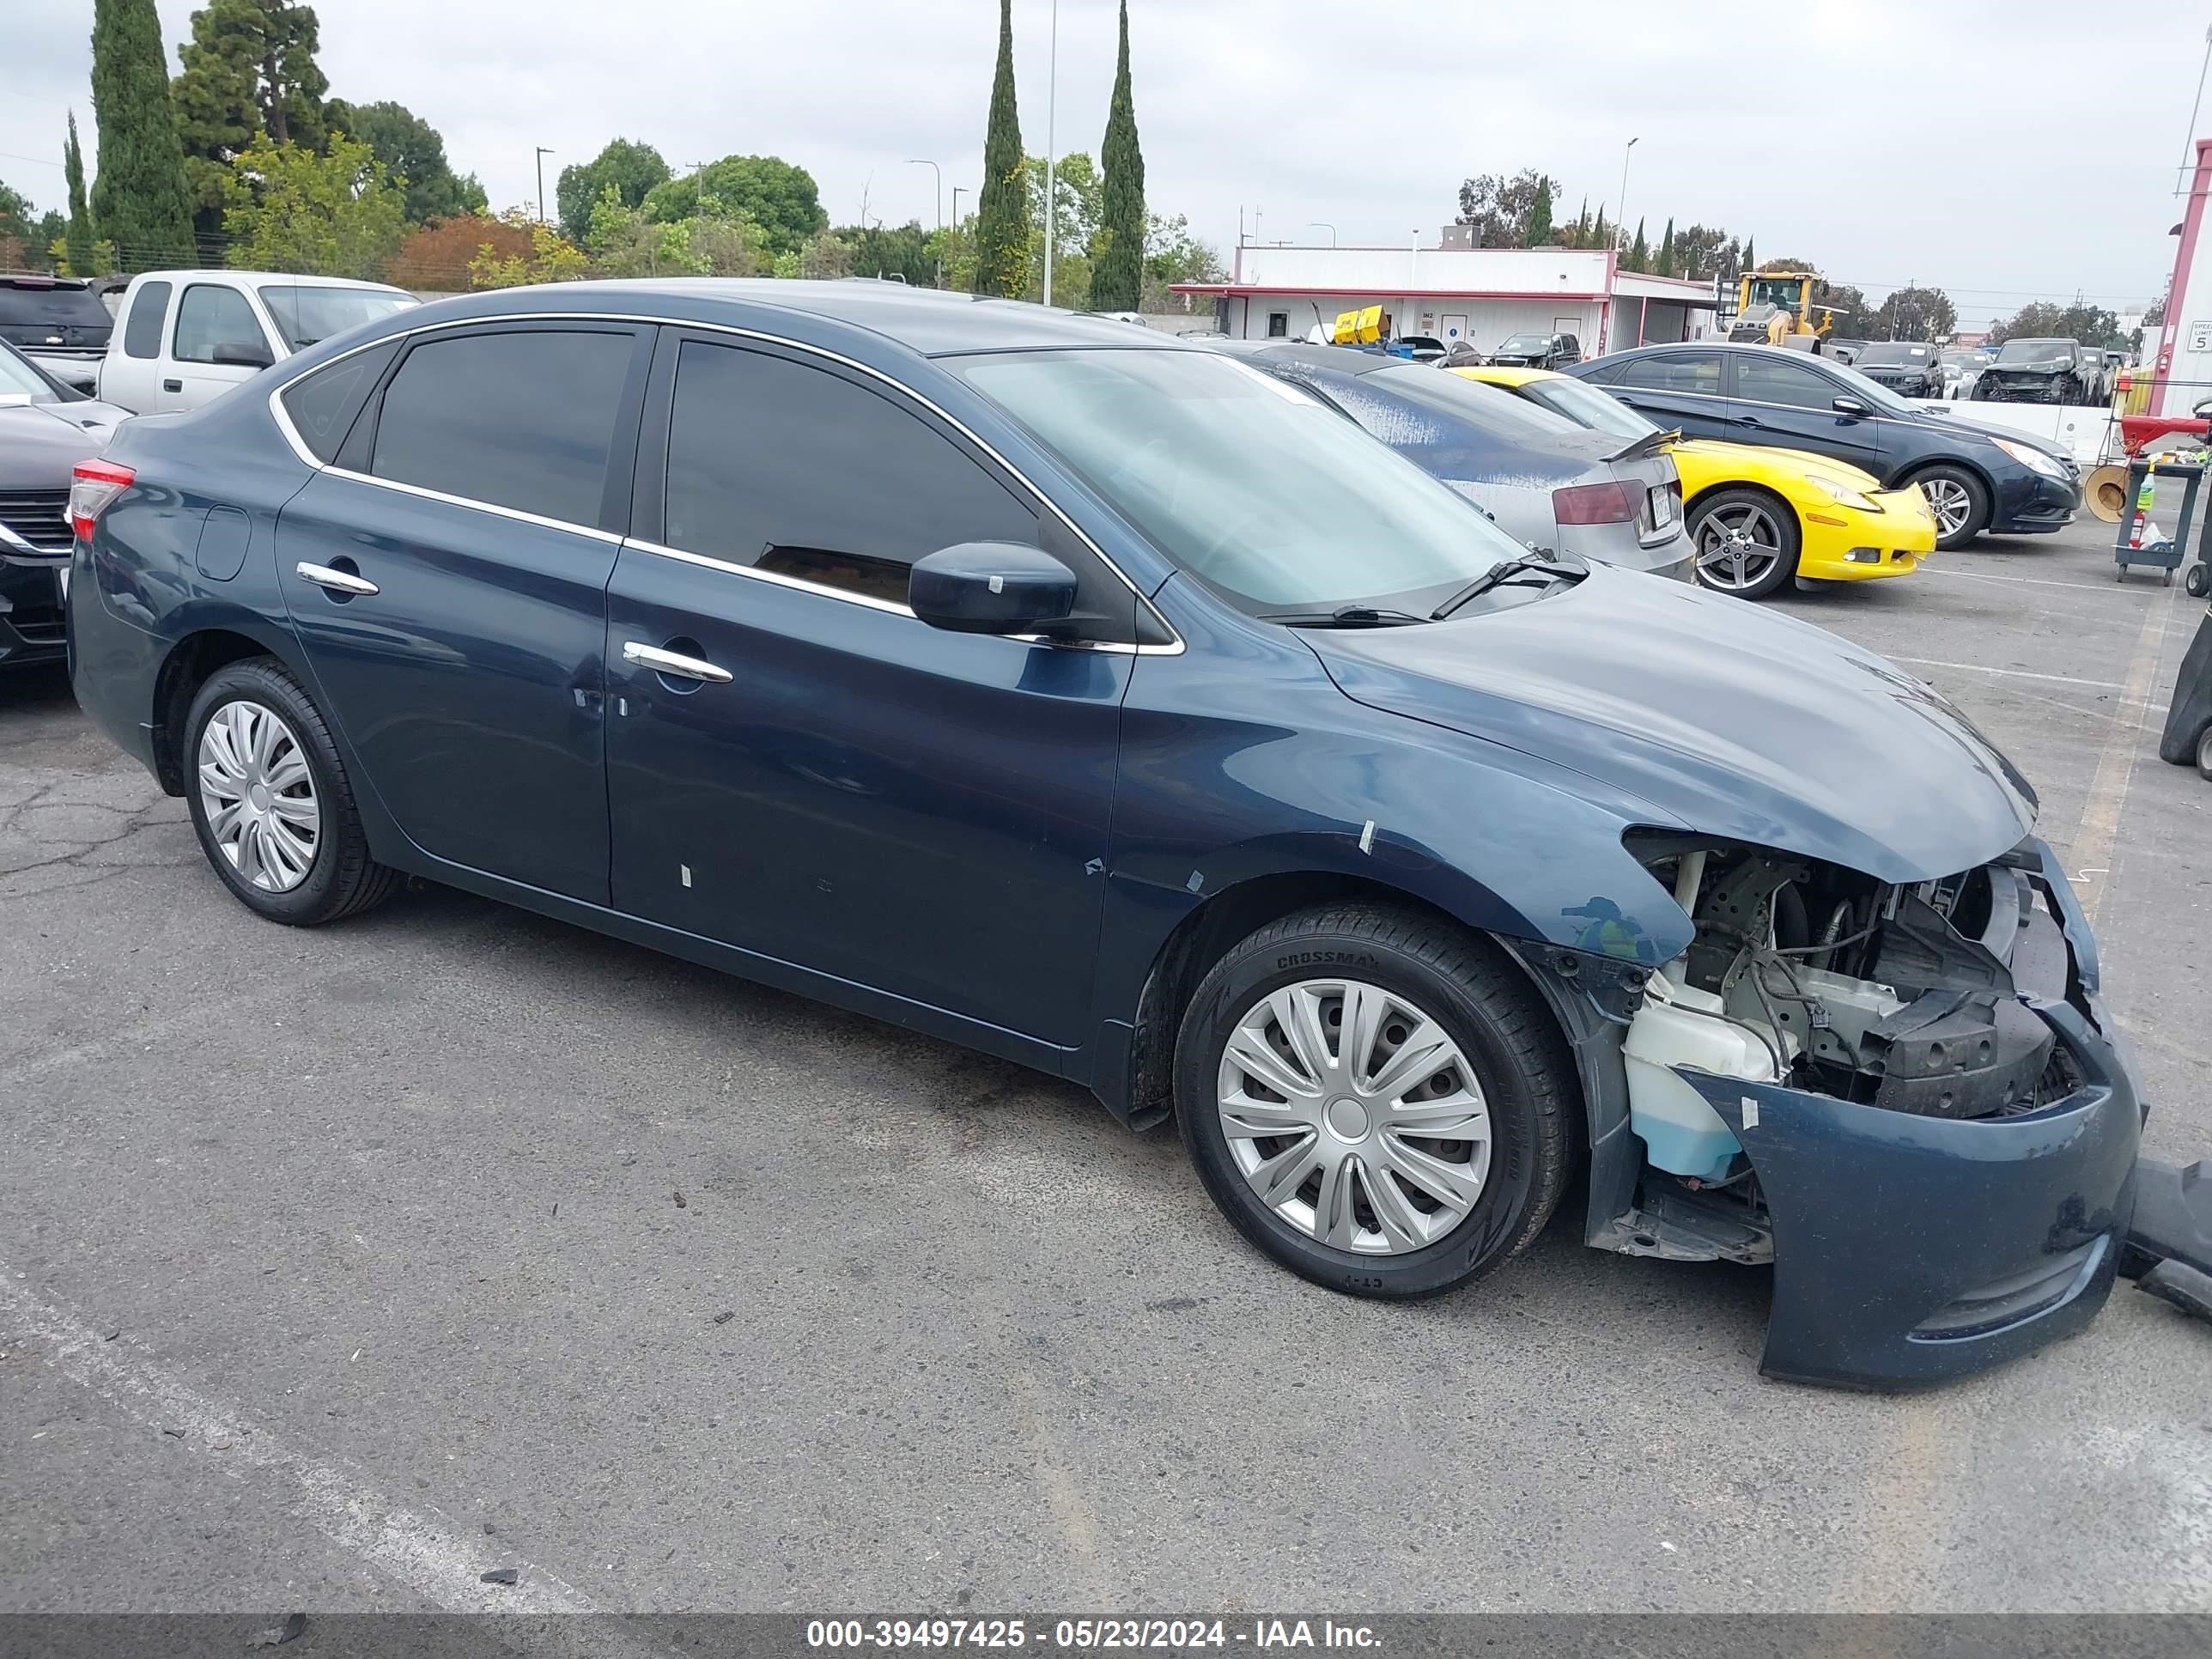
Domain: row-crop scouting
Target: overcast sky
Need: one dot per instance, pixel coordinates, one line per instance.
(2003, 149)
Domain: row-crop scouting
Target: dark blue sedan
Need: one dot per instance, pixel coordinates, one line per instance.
(1976, 478)
(1100, 702)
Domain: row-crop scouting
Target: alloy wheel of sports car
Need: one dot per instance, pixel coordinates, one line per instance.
(1747, 543)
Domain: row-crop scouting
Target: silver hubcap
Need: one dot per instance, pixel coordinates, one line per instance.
(1737, 547)
(1354, 1117)
(1948, 501)
(260, 797)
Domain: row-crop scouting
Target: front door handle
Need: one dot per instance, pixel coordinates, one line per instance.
(339, 581)
(172, 385)
(674, 662)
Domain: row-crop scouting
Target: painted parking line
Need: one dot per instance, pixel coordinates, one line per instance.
(430, 1556)
(2024, 581)
(2023, 674)
(2091, 851)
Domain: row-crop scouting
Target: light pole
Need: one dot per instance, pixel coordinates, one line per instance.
(1620, 221)
(2189, 138)
(1051, 193)
(940, 172)
(1323, 224)
(543, 152)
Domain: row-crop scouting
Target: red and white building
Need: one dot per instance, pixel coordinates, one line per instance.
(1480, 294)
(2184, 363)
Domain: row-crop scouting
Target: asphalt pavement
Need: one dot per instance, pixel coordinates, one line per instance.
(338, 1267)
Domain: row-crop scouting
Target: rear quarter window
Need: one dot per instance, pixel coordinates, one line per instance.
(323, 406)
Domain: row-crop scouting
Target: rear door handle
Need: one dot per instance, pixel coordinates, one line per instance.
(339, 581)
(674, 662)
(172, 385)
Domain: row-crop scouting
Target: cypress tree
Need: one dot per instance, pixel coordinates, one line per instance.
(1640, 251)
(1667, 251)
(1117, 276)
(1539, 234)
(1750, 253)
(1002, 210)
(140, 201)
(78, 237)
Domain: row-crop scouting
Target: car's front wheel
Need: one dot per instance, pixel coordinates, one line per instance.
(271, 801)
(1960, 502)
(1376, 1099)
(1746, 543)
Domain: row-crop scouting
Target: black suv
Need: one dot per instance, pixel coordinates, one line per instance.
(2041, 371)
(1908, 367)
(1976, 477)
(1538, 351)
(54, 316)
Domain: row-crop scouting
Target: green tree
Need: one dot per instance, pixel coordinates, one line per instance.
(78, 237)
(627, 166)
(2092, 325)
(624, 242)
(1501, 208)
(1538, 232)
(1913, 314)
(1117, 252)
(1601, 232)
(334, 214)
(1002, 216)
(50, 237)
(1640, 251)
(904, 252)
(552, 257)
(1666, 266)
(1750, 260)
(781, 198)
(1078, 193)
(249, 68)
(141, 201)
(413, 153)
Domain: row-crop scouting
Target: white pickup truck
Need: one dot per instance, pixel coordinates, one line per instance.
(185, 338)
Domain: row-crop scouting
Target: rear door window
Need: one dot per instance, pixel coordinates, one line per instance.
(210, 316)
(522, 419)
(142, 330)
(797, 471)
(1694, 371)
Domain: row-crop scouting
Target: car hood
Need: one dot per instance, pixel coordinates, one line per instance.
(2029, 368)
(1795, 461)
(1951, 420)
(1729, 719)
(38, 444)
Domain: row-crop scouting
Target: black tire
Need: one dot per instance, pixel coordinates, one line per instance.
(1789, 537)
(1978, 499)
(341, 880)
(2198, 581)
(2204, 754)
(1487, 1008)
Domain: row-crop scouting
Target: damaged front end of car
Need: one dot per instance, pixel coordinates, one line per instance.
(1905, 1095)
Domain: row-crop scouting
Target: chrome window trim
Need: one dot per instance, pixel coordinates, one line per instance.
(308, 456)
(800, 584)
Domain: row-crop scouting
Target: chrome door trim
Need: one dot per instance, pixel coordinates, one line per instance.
(309, 458)
(675, 662)
(339, 581)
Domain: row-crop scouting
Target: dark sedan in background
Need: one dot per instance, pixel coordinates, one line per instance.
(1976, 478)
(1908, 367)
(46, 430)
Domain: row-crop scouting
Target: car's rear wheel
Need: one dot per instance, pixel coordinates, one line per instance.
(2204, 753)
(1376, 1099)
(1960, 502)
(271, 801)
(1746, 543)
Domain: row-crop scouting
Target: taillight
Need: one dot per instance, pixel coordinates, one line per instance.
(93, 485)
(1597, 503)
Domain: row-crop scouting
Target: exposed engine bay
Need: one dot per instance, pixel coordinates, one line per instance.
(1807, 976)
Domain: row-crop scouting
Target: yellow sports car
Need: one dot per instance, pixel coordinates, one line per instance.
(1757, 516)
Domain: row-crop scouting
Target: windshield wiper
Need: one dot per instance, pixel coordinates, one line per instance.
(1504, 571)
(1344, 616)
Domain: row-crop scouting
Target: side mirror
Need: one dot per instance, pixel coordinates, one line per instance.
(1852, 407)
(244, 354)
(991, 587)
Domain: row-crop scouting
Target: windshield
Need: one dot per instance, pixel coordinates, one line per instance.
(2036, 351)
(1895, 354)
(305, 314)
(1584, 404)
(1264, 493)
(17, 376)
(1526, 345)
(1783, 292)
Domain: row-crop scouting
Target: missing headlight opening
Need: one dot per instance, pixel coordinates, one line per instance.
(1811, 977)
